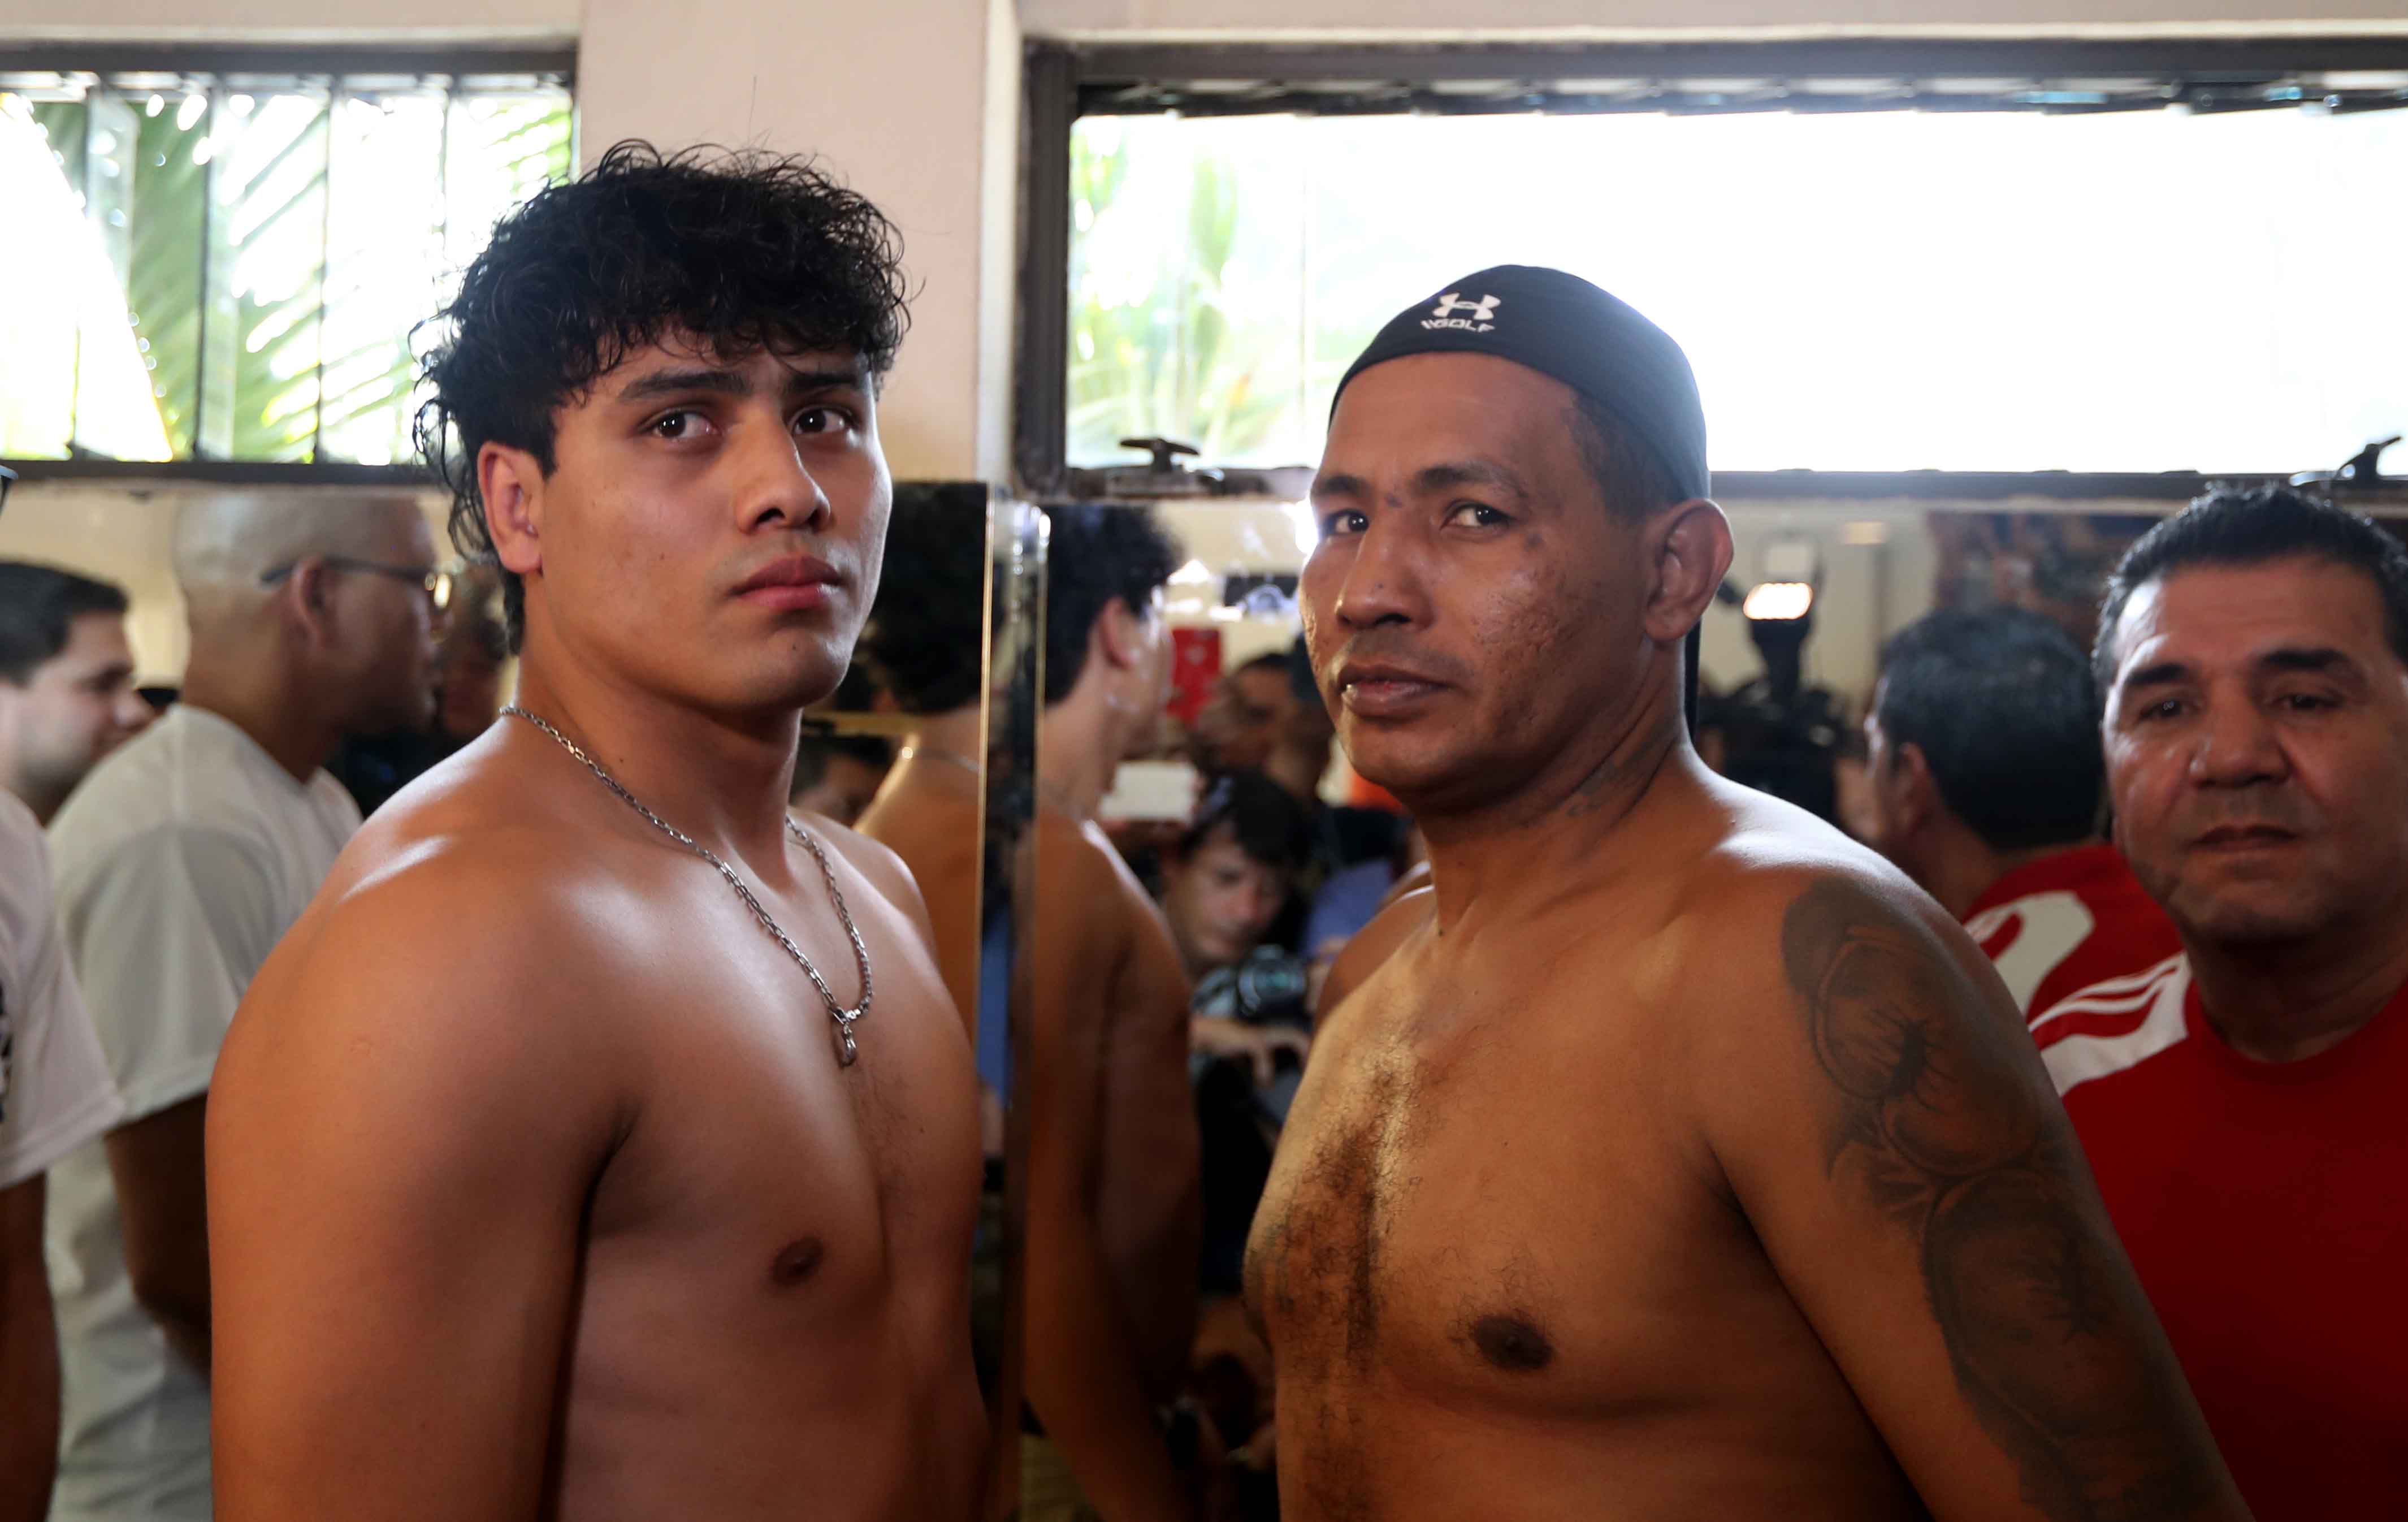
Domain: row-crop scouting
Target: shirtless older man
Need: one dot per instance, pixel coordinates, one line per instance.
(554, 1169)
(1687, 1161)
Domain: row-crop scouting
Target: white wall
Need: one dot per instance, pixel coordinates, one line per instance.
(905, 101)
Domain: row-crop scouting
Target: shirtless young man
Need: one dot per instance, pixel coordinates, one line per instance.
(1114, 1217)
(541, 1182)
(1687, 1162)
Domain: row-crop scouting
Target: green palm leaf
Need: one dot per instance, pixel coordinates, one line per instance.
(223, 257)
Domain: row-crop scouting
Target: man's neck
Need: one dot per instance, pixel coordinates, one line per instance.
(722, 779)
(947, 739)
(1514, 853)
(43, 801)
(1964, 871)
(2291, 1003)
(1079, 751)
(262, 700)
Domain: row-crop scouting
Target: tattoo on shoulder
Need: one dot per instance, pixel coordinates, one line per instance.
(1939, 1129)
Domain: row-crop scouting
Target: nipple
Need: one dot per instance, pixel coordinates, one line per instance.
(798, 1262)
(1511, 1343)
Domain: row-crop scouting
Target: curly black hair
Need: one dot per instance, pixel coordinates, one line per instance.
(927, 630)
(741, 250)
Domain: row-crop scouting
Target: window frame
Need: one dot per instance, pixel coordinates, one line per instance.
(1062, 82)
(265, 65)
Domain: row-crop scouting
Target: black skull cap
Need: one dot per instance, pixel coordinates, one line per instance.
(1568, 329)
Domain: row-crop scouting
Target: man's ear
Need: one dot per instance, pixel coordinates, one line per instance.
(509, 485)
(1119, 635)
(306, 599)
(1691, 547)
(1914, 792)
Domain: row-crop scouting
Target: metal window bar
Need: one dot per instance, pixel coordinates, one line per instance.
(106, 78)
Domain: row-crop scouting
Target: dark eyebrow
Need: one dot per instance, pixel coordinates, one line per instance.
(2163, 674)
(1429, 479)
(1438, 477)
(1338, 484)
(835, 377)
(2310, 659)
(2306, 659)
(723, 382)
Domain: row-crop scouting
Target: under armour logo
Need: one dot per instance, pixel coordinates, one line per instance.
(1443, 315)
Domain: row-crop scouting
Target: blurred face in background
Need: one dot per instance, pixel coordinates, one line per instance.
(469, 689)
(71, 710)
(1219, 900)
(385, 624)
(1244, 718)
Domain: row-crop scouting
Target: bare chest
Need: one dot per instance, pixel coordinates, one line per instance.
(1492, 1199)
(783, 1192)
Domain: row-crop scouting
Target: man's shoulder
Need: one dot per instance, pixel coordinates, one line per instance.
(1761, 884)
(486, 953)
(408, 888)
(1760, 921)
(875, 862)
(466, 872)
(1368, 949)
(1078, 854)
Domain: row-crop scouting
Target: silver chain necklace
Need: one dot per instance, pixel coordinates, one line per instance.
(845, 1049)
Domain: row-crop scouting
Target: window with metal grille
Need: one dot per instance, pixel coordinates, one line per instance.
(2122, 260)
(232, 265)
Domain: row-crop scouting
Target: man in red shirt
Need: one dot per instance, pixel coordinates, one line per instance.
(2245, 1104)
(1986, 777)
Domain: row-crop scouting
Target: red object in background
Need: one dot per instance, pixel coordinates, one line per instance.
(1195, 667)
(1362, 793)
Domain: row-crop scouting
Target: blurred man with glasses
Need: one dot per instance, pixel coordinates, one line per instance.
(181, 861)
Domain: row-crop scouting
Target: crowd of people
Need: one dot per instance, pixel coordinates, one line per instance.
(594, 1104)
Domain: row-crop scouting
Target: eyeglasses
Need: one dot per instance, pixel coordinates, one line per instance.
(436, 584)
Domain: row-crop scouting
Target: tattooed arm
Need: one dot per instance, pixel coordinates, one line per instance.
(1915, 1182)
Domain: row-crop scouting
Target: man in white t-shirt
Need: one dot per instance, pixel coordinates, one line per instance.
(181, 861)
(55, 1096)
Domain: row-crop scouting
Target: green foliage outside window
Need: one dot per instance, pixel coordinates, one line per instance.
(274, 251)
